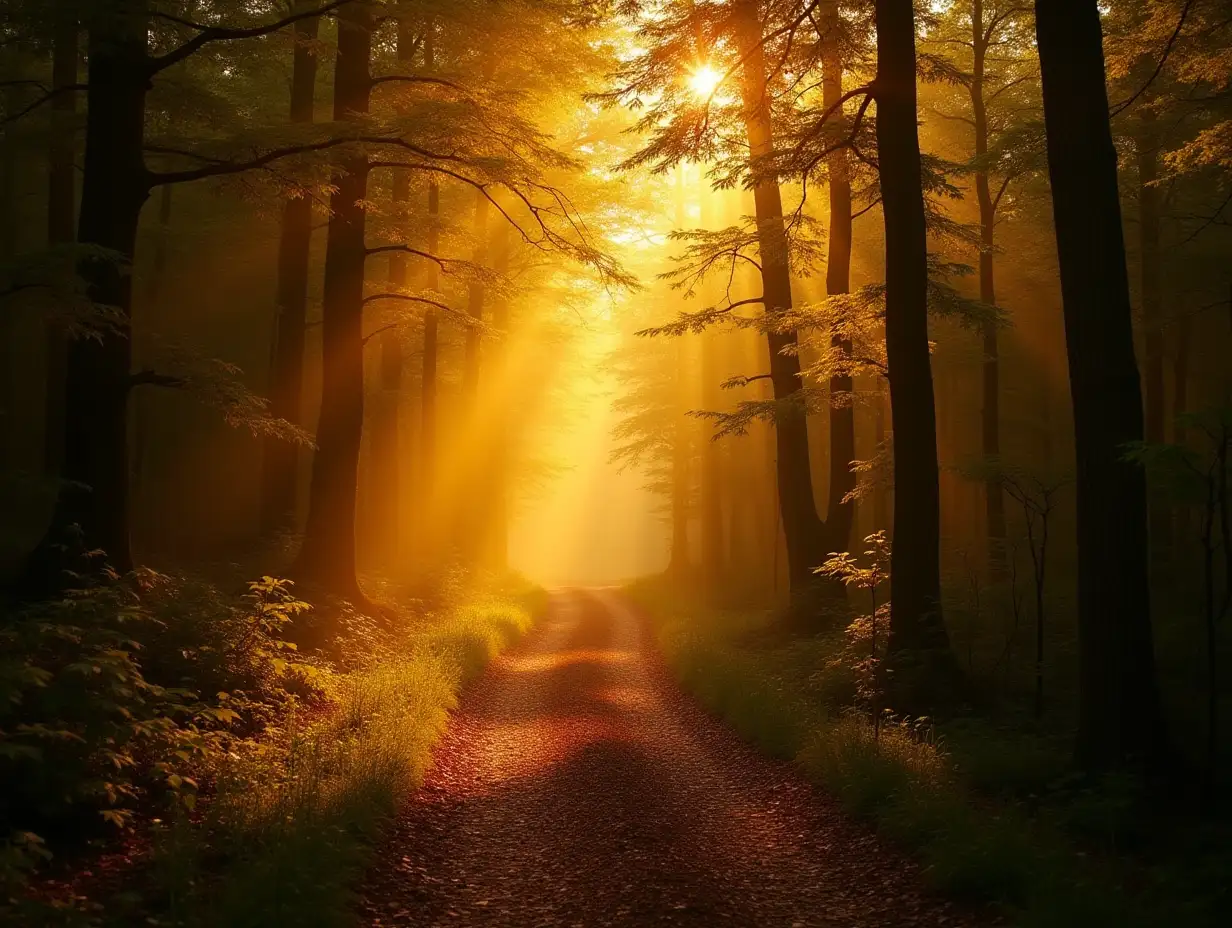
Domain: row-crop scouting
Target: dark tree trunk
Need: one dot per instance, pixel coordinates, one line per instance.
(1119, 717)
(327, 558)
(714, 560)
(469, 509)
(990, 420)
(139, 411)
(496, 529)
(61, 220)
(1147, 145)
(802, 528)
(839, 513)
(678, 565)
(386, 419)
(915, 580)
(115, 185)
(280, 461)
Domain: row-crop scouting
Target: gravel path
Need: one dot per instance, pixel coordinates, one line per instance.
(577, 786)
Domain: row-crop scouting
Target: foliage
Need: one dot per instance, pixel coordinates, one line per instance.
(966, 805)
(259, 778)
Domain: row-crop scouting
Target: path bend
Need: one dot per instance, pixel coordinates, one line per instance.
(578, 786)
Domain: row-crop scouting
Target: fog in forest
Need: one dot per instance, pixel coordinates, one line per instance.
(391, 389)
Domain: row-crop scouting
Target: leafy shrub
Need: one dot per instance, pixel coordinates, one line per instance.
(83, 730)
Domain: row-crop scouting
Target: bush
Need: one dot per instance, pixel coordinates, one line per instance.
(148, 688)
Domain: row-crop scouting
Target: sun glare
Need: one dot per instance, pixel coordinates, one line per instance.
(704, 81)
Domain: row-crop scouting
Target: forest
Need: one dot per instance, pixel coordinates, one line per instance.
(615, 462)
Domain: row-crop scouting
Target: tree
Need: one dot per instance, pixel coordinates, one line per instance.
(1120, 720)
(280, 477)
(327, 556)
(993, 68)
(116, 182)
(916, 623)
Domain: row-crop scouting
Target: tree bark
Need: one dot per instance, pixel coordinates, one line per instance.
(916, 623)
(839, 513)
(386, 420)
(328, 554)
(990, 419)
(1119, 717)
(427, 390)
(802, 528)
(678, 563)
(61, 219)
(280, 461)
(115, 185)
(496, 530)
(1147, 149)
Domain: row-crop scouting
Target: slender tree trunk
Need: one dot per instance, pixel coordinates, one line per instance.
(714, 561)
(280, 462)
(1180, 405)
(839, 513)
(10, 219)
(139, 411)
(115, 184)
(990, 420)
(386, 420)
(328, 554)
(915, 578)
(1119, 718)
(496, 529)
(802, 527)
(61, 219)
(1147, 145)
(427, 390)
(882, 516)
(678, 566)
(469, 507)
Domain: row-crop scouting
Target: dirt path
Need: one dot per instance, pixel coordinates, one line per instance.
(577, 786)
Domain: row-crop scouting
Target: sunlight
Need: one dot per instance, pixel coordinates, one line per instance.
(704, 81)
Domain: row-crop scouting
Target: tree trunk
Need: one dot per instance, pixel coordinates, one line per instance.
(386, 420)
(990, 421)
(328, 554)
(714, 561)
(1119, 715)
(678, 565)
(280, 461)
(427, 389)
(61, 219)
(915, 580)
(802, 528)
(115, 185)
(839, 513)
(139, 411)
(1147, 146)
(496, 529)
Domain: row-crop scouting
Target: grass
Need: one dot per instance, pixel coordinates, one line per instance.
(967, 807)
(270, 814)
(294, 820)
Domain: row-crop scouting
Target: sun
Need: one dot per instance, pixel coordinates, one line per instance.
(704, 81)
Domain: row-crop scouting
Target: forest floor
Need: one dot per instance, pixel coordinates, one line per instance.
(578, 785)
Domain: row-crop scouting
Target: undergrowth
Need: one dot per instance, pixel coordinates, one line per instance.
(252, 790)
(968, 807)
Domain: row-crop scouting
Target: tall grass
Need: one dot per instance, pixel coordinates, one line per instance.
(902, 779)
(293, 818)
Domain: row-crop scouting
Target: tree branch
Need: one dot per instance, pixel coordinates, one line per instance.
(1121, 107)
(207, 34)
(155, 379)
(45, 98)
